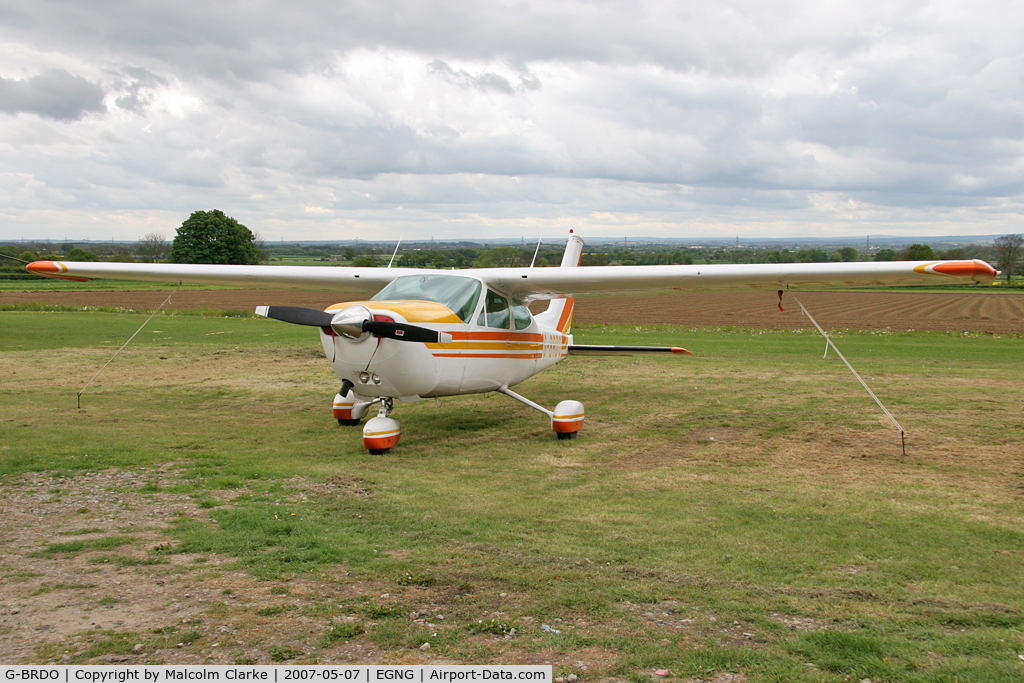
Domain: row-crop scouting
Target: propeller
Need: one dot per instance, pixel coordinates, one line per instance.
(354, 323)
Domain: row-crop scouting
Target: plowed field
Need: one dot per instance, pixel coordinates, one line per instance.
(995, 313)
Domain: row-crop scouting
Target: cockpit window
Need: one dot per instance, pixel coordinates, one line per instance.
(460, 294)
(495, 313)
(521, 314)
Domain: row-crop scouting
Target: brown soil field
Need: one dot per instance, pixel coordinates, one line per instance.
(995, 313)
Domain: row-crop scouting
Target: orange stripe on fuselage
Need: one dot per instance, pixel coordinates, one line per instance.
(465, 335)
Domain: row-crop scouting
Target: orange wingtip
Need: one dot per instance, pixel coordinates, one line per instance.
(973, 268)
(52, 269)
(681, 351)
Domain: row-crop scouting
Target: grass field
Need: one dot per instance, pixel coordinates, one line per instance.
(746, 511)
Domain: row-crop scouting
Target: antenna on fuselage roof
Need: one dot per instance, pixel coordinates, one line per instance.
(536, 251)
(396, 251)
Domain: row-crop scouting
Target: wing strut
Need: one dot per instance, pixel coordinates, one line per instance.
(828, 343)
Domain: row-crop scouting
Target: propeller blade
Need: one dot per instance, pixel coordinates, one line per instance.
(352, 327)
(403, 332)
(296, 315)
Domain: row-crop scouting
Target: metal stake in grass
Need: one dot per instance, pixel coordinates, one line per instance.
(125, 344)
(828, 343)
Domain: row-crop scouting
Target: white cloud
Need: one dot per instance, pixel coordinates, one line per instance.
(462, 119)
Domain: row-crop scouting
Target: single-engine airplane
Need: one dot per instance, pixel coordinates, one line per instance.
(431, 333)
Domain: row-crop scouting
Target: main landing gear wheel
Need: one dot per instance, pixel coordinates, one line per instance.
(348, 409)
(567, 419)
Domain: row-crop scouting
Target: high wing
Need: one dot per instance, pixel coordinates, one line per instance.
(548, 283)
(542, 283)
(361, 282)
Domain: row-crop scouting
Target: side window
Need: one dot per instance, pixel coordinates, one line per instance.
(521, 314)
(495, 313)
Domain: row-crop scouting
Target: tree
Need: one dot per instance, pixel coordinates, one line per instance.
(848, 254)
(151, 248)
(918, 252)
(365, 262)
(503, 257)
(1008, 250)
(77, 254)
(885, 255)
(212, 237)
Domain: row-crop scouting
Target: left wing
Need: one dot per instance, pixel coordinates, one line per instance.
(548, 283)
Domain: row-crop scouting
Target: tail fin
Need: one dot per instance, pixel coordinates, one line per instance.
(559, 313)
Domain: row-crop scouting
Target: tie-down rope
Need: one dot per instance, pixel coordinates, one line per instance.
(125, 344)
(828, 343)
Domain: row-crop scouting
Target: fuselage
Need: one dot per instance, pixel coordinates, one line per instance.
(495, 341)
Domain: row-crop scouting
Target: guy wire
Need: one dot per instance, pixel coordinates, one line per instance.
(125, 344)
(828, 342)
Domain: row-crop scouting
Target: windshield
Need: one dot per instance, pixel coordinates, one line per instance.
(460, 294)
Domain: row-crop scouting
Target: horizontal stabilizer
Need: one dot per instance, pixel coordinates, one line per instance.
(599, 350)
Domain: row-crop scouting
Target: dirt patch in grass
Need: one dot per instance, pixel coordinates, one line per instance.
(67, 598)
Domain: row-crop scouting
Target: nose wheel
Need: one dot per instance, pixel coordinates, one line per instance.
(382, 432)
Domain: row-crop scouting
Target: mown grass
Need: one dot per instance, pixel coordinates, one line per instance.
(801, 508)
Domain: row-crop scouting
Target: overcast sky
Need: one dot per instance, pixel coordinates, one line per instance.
(463, 119)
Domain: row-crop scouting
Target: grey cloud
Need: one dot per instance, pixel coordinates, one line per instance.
(245, 41)
(753, 107)
(55, 94)
(138, 85)
(483, 81)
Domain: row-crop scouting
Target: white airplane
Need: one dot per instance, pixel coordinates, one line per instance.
(430, 333)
